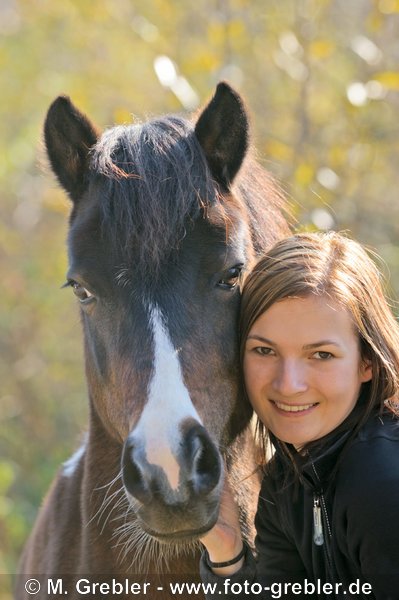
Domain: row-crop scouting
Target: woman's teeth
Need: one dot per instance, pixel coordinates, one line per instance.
(293, 407)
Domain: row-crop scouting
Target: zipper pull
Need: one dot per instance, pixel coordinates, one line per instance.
(318, 537)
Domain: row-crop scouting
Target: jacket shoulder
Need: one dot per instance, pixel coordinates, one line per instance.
(372, 457)
(367, 500)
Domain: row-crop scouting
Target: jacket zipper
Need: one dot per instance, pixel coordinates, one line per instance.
(320, 511)
(318, 536)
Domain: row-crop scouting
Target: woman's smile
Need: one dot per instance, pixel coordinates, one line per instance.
(294, 409)
(302, 368)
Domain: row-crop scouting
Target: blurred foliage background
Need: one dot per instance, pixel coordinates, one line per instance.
(321, 78)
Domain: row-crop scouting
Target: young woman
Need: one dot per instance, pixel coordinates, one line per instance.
(320, 355)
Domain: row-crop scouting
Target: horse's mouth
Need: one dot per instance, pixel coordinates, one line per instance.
(181, 536)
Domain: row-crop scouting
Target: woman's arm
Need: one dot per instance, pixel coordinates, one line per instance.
(277, 559)
(223, 543)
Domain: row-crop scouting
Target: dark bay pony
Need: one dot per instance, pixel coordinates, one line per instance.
(166, 216)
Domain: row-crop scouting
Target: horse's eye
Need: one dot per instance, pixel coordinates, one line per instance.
(80, 292)
(230, 278)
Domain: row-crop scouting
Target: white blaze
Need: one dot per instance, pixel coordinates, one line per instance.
(168, 404)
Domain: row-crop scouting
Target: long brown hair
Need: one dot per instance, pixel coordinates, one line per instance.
(334, 266)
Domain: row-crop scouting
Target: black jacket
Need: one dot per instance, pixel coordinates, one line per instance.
(359, 510)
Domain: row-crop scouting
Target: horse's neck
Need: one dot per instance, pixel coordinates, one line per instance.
(101, 492)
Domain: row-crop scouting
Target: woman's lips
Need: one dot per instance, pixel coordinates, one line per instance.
(294, 408)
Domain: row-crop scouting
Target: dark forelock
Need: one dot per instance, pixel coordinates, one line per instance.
(154, 181)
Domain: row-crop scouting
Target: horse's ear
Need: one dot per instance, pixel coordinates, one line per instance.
(222, 131)
(69, 135)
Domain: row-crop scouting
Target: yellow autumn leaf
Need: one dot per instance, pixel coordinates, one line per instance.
(278, 150)
(321, 49)
(236, 28)
(201, 60)
(338, 155)
(389, 79)
(304, 174)
(122, 116)
(388, 7)
(216, 32)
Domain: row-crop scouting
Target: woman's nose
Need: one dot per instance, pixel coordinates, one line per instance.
(290, 378)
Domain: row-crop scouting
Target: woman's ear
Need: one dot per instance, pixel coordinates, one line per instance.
(366, 370)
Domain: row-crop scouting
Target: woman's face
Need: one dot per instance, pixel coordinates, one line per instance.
(302, 368)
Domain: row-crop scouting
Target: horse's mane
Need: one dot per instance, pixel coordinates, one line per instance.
(155, 181)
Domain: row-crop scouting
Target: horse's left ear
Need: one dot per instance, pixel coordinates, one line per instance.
(69, 135)
(222, 131)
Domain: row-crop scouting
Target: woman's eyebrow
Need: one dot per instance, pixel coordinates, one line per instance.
(260, 338)
(317, 344)
(320, 343)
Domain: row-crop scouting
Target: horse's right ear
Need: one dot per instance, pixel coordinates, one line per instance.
(223, 132)
(69, 135)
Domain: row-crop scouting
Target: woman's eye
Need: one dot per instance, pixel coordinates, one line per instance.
(322, 355)
(264, 350)
(230, 278)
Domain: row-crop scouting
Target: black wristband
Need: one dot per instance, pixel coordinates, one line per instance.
(227, 563)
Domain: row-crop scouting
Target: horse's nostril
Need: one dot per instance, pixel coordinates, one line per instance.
(204, 459)
(132, 475)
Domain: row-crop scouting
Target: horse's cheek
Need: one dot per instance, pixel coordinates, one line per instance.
(95, 350)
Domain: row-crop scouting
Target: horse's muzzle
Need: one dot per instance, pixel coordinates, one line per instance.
(188, 506)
